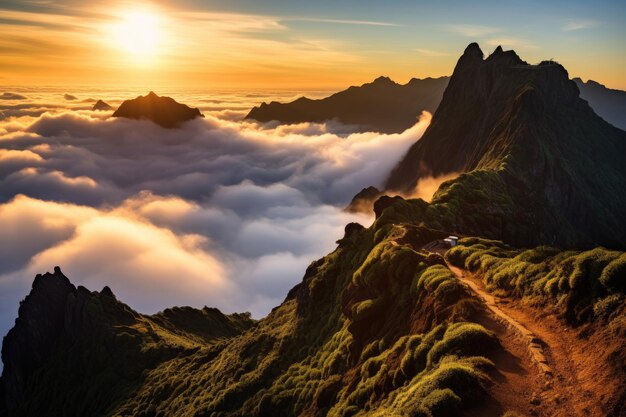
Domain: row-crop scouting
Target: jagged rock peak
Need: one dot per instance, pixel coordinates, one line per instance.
(102, 106)
(473, 51)
(164, 111)
(383, 80)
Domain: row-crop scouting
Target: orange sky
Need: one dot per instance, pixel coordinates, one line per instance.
(132, 43)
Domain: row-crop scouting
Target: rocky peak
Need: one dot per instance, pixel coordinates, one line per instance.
(472, 53)
(383, 81)
(363, 200)
(526, 126)
(164, 111)
(102, 106)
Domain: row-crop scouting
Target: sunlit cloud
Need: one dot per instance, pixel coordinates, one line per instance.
(342, 21)
(509, 42)
(150, 43)
(431, 53)
(574, 25)
(473, 31)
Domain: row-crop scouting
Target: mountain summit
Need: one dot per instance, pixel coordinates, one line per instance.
(541, 166)
(164, 111)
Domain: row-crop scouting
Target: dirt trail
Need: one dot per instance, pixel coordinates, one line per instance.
(550, 346)
(534, 343)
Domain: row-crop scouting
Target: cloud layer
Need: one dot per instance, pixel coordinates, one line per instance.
(221, 212)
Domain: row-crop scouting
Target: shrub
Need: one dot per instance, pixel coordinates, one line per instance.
(613, 277)
(462, 339)
(443, 403)
(604, 307)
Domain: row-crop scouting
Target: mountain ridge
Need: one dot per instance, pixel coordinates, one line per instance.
(609, 103)
(381, 105)
(526, 128)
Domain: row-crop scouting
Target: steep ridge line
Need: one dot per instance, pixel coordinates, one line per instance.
(534, 343)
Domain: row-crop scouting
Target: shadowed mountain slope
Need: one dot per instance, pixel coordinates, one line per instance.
(164, 111)
(541, 166)
(381, 105)
(608, 103)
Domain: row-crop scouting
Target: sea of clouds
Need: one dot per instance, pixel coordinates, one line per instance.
(221, 212)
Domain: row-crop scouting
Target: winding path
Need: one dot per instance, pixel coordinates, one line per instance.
(534, 343)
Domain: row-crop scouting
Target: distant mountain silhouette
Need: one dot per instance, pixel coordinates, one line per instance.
(101, 105)
(541, 166)
(69, 97)
(608, 103)
(364, 200)
(11, 96)
(382, 105)
(164, 111)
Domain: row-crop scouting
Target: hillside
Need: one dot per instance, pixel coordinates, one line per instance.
(382, 105)
(608, 103)
(392, 322)
(539, 166)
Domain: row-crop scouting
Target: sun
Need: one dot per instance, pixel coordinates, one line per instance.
(139, 33)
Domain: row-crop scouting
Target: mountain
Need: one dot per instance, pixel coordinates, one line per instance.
(539, 166)
(394, 321)
(102, 106)
(76, 332)
(364, 200)
(164, 111)
(382, 105)
(608, 103)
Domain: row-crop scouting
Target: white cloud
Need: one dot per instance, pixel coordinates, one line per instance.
(473, 31)
(219, 213)
(574, 25)
(510, 42)
(431, 53)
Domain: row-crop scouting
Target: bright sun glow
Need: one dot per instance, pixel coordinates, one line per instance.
(139, 33)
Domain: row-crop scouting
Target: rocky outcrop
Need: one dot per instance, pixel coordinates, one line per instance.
(164, 111)
(364, 200)
(381, 106)
(101, 106)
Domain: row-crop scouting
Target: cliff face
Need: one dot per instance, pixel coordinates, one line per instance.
(382, 105)
(525, 127)
(41, 320)
(163, 111)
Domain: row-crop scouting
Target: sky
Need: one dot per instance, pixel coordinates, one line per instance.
(295, 44)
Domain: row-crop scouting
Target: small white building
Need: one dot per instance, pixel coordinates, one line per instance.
(452, 241)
